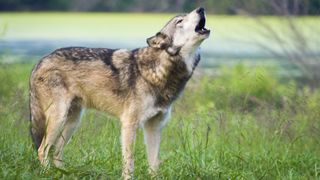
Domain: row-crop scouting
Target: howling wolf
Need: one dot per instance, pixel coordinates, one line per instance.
(137, 86)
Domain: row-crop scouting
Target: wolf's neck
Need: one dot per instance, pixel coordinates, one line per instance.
(154, 65)
(166, 74)
(176, 79)
(191, 57)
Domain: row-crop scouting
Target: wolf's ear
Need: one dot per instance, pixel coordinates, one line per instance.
(160, 41)
(163, 41)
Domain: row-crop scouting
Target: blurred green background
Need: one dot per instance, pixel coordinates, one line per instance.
(251, 110)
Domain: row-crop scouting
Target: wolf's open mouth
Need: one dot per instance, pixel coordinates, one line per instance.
(200, 26)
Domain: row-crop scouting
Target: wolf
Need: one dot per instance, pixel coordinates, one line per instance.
(137, 86)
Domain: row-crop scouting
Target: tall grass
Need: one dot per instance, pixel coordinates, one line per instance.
(242, 124)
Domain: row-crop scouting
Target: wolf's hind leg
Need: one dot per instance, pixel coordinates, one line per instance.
(56, 115)
(72, 122)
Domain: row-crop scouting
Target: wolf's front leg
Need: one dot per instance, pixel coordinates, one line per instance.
(152, 137)
(128, 133)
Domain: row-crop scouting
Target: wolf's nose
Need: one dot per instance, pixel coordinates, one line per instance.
(200, 10)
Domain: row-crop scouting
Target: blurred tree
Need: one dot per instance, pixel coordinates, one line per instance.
(34, 5)
(213, 6)
(291, 42)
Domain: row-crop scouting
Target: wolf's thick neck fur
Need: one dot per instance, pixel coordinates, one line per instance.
(166, 74)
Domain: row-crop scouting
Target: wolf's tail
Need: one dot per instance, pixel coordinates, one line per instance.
(37, 118)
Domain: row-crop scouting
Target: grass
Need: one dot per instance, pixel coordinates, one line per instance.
(242, 124)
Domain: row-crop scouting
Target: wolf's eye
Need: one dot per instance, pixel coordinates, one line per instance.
(179, 21)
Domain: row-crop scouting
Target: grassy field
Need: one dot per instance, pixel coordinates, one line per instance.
(244, 124)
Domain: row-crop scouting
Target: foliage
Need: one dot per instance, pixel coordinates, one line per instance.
(24, 5)
(240, 87)
(291, 42)
(216, 132)
(215, 6)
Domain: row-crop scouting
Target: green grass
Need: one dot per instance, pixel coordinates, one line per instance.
(243, 124)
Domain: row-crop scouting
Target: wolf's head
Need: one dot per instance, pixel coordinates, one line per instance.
(182, 33)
